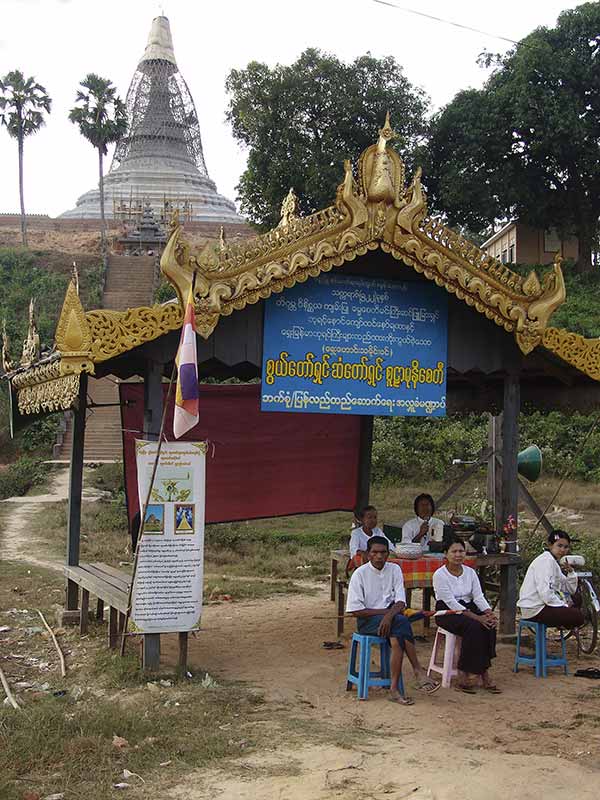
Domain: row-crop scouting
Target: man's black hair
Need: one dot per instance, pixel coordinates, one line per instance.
(362, 511)
(378, 540)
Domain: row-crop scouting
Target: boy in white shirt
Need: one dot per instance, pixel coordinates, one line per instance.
(376, 597)
(360, 536)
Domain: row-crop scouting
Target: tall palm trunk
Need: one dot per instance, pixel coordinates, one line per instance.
(102, 218)
(21, 194)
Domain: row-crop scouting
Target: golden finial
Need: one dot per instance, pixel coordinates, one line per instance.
(174, 224)
(387, 132)
(222, 238)
(31, 345)
(75, 276)
(289, 209)
(7, 362)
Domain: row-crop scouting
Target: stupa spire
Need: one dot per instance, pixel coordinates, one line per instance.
(160, 42)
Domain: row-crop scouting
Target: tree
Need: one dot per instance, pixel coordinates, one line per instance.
(299, 123)
(22, 106)
(527, 144)
(102, 120)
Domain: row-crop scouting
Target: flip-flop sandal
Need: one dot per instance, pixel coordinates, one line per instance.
(333, 645)
(589, 672)
(428, 686)
(492, 689)
(402, 701)
(465, 689)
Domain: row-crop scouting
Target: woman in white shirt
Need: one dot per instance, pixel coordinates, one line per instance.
(469, 615)
(547, 589)
(424, 527)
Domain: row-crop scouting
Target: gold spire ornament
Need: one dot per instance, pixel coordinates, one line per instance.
(75, 276)
(7, 363)
(31, 345)
(222, 239)
(289, 209)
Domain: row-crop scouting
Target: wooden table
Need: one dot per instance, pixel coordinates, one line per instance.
(507, 602)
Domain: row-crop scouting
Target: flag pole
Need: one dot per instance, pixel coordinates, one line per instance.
(149, 494)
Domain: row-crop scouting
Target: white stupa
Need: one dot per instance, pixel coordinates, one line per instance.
(160, 160)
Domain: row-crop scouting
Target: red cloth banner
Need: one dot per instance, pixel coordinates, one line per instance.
(259, 464)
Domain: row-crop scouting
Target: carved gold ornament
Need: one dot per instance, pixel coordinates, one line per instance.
(375, 210)
(31, 345)
(582, 353)
(7, 362)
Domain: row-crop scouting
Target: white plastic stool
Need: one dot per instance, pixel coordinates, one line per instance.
(452, 645)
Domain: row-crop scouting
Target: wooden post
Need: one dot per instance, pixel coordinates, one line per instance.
(510, 497)
(85, 611)
(153, 407)
(364, 461)
(494, 475)
(183, 650)
(75, 491)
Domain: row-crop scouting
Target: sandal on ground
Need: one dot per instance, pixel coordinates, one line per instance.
(333, 645)
(402, 700)
(428, 685)
(589, 672)
(492, 689)
(465, 688)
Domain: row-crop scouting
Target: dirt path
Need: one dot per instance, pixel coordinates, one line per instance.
(539, 738)
(17, 513)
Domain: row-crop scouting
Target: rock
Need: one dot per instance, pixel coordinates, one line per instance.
(166, 684)
(77, 693)
(153, 687)
(119, 742)
(56, 796)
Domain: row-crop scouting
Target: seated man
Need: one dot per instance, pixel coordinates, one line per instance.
(360, 536)
(377, 599)
(424, 527)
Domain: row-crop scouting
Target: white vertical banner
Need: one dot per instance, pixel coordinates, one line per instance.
(167, 590)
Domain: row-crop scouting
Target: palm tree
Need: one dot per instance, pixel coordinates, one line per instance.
(102, 119)
(22, 106)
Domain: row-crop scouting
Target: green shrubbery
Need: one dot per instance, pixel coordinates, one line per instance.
(415, 448)
(21, 476)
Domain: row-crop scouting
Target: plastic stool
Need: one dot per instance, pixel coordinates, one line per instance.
(541, 660)
(452, 645)
(362, 677)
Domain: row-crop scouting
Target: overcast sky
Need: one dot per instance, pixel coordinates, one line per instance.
(60, 41)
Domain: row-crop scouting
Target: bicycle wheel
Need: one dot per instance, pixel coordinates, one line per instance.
(587, 635)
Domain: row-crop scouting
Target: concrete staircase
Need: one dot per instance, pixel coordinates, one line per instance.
(129, 283)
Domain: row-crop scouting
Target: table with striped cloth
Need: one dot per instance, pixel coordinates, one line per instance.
(418, 572)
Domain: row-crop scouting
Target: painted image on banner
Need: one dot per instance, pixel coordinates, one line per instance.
(352, 345)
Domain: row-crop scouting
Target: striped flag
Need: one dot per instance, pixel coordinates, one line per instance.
(186, 397)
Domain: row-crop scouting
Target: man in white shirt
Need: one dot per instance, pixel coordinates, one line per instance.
(424, 527)
(360, 536)
(376, 597)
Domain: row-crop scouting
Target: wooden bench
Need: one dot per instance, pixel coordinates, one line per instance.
(111, 587)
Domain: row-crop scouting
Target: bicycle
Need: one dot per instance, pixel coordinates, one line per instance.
(587, 635)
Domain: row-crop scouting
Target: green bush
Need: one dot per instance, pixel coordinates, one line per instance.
(419, 448)
(110, 478)
(21, 476)
(236, 535)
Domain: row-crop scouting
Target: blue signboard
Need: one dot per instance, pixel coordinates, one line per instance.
(345, 345)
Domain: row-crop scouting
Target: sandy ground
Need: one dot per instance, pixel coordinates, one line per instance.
(528, 742)
(17, 543)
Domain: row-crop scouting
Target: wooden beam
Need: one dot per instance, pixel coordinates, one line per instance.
(364, 461)
(510, 496)
(481, 459)
(75, 490)
(531, 502)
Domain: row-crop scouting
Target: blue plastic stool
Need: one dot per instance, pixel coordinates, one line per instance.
(541, 660)
(362, 677)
